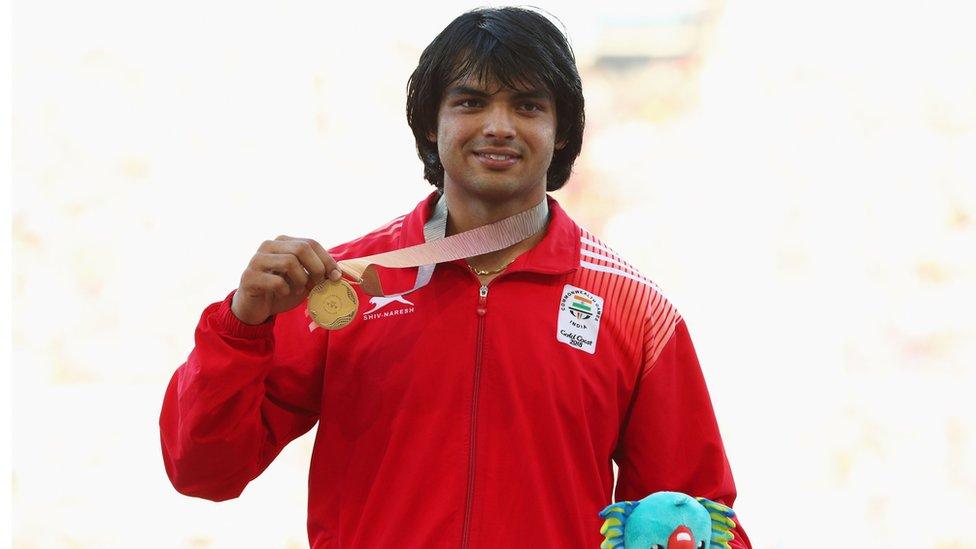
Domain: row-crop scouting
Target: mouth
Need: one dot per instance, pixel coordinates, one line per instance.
(497, 160)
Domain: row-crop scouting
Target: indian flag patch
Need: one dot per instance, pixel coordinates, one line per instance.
(579, 318)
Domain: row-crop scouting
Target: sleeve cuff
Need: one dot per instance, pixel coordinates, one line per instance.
(227, 322)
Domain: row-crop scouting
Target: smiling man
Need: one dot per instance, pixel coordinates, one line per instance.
(486, 408)
(495, 144)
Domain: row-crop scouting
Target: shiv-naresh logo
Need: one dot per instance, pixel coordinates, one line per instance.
(381, 302)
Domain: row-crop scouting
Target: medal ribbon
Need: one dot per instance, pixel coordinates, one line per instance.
(439, 249)
(482, 240)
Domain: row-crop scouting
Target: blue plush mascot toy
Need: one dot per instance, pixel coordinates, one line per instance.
(667, 520)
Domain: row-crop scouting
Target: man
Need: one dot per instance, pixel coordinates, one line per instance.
(483, 409)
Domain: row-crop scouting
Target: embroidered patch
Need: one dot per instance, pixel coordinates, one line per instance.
(579, 318)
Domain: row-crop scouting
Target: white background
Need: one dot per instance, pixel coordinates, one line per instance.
(804, 189)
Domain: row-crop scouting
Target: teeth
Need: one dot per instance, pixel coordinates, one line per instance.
(497, 156)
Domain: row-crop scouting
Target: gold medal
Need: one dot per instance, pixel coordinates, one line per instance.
(332, 305)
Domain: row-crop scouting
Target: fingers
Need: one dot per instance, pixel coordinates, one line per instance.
(279, 277)
(331, 267)
(310, 256)
(260, 283)
(284, 265)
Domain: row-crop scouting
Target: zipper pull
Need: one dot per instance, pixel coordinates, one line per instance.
(483, 300)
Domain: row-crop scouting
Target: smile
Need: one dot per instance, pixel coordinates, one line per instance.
(496, 160)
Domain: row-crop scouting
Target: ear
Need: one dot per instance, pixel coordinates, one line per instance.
(432, 136)
(722, 522)
(616, 515)
(560, 145)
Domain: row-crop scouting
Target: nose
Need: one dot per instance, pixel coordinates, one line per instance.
(498, 123)
(681, 538)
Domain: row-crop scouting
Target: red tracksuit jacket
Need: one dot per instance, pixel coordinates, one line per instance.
(461, 415)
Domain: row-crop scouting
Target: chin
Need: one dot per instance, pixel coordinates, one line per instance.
(493, 186)
(499, 188)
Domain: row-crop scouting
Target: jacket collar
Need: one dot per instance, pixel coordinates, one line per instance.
(557, 253)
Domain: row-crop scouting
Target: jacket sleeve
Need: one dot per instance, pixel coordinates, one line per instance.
(670, 439)
(242, 395)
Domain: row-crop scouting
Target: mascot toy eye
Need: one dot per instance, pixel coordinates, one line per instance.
(667, 520)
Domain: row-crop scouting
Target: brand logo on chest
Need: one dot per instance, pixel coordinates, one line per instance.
(382, 302)
(579, 318)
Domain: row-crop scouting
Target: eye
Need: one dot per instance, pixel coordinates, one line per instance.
(657, 546)
(530, 107)
(469, 103)
(701, 544)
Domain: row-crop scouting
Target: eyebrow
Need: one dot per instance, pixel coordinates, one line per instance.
(526, 94)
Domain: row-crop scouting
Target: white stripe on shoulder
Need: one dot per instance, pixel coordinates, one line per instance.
(615, 261)
(387, 229)
(394, 221)
(389, 224)
(598, 246)
(625, 274)
(340, 251)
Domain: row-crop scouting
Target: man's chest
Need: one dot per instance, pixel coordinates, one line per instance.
(516, 343)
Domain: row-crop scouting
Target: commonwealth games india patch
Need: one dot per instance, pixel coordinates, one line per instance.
(579, 318)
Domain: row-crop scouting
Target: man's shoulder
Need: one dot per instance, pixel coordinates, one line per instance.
(380, 239)
(642, 310)
(606, 269)
(399, 232)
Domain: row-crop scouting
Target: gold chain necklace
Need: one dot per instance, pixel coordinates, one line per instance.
(479, 272)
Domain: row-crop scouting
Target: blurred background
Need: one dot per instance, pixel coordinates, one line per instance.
(799, 178)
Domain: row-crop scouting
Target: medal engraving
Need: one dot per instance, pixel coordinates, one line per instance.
(332, 305)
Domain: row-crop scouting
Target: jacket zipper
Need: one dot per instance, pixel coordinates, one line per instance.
(482, 310)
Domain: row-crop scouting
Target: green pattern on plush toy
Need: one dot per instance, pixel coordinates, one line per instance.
(667, 520)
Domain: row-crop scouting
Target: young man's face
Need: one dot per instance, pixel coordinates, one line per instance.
(493, 141)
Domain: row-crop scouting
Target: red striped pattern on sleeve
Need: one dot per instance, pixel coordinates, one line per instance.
(639, 307)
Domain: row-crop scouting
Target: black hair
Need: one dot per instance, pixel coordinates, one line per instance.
(514, 46)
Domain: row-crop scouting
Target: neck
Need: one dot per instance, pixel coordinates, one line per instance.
(465, 212)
